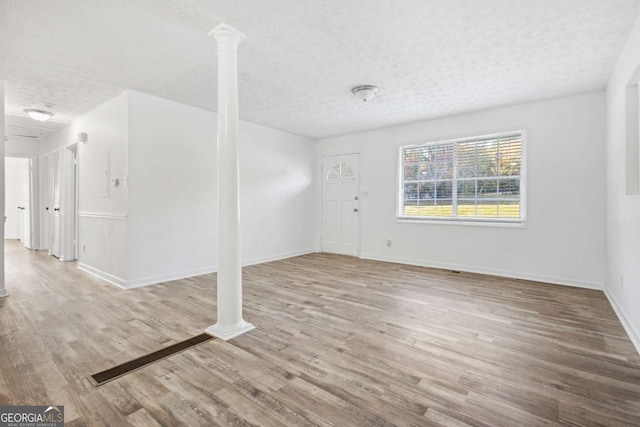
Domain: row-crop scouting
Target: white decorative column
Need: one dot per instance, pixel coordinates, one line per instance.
(3, 290)
(230, 322)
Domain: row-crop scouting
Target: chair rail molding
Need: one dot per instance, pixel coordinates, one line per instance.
(103, 215)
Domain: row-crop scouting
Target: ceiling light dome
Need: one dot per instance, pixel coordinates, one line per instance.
(39, 115)
(365, 92)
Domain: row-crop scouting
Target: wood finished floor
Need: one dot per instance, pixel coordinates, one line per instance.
(339, 342)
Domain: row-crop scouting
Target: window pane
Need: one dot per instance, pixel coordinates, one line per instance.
(410, 191)
(444, 161)
(509, 209)
(467, 159)
(487, 188)
(443, 190)
(345, 170)
(467, 208)
(444, 207)
(410, 207)
(509, 187)
(487, 209)
(427, 208)
(467, 189)
(487, 158)
(510, 156)
(427, 163)
(427, 191)
(411, 171)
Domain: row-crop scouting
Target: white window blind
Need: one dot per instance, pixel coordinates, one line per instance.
(470, 179)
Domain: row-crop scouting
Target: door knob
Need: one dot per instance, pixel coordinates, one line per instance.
(355, 209)
(56, 209)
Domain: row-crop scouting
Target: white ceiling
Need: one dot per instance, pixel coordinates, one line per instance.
(302, 57)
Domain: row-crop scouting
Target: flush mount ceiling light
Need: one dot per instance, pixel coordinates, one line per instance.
(39, 115)
(365, 92)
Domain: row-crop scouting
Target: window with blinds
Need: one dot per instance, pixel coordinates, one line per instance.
(469, 179)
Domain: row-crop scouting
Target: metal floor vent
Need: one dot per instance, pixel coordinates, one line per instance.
(135, 364)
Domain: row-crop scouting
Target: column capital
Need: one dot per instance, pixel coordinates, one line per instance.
(225, 31)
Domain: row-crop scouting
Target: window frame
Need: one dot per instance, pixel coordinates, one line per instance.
(477, 221)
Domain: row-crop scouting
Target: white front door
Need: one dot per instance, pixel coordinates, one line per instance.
(54, 165)
(340, 206)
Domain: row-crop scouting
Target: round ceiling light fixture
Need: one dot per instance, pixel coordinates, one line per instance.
(365, 92)
(39, 115)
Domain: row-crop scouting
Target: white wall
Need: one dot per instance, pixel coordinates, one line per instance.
(21, 147)
(102, 222)
(172, 191)
(623, 212)
(564, 238)
(13, 179)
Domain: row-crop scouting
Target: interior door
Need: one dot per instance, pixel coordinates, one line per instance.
(13, 200)
(54, 212)
(340, 215)
(45, 201)
(25, 181)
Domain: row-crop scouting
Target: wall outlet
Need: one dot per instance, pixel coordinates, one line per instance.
(389, 243)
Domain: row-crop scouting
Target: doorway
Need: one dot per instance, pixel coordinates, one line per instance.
(18, 200)
(54, 211)
(73, 220)
(340, 204)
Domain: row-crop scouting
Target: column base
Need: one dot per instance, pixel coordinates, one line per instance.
(3, 293)
(227, 332)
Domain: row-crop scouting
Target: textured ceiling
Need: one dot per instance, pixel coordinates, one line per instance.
(302, 57)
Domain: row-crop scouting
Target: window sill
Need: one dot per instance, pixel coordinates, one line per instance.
(466, 223)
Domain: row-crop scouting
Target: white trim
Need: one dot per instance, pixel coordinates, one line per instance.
(103, 215)
(161, 278)
(625, 319)
(114, 280)
(153, 280)
(452, 221)
(277, 257)
(492, 272)
(229, 332)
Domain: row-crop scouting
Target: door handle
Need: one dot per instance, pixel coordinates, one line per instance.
(355, 209)
(56, 209)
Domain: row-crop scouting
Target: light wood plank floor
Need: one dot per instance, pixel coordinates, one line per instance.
(339, 342)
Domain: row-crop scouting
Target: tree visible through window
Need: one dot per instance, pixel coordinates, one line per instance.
(470, 179)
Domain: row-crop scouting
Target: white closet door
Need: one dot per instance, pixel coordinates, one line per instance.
(54, 212)
(25, 182)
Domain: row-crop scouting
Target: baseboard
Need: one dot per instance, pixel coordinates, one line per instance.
(114, 280)
(161, 278)
(625, 319)
(493, 272)
(152, 280)
(277, 257)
